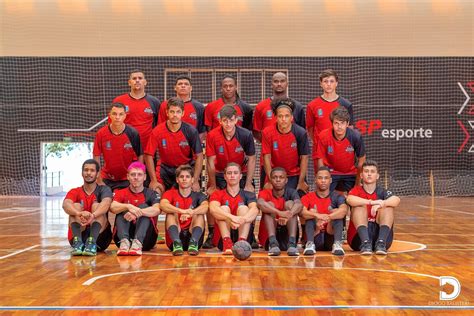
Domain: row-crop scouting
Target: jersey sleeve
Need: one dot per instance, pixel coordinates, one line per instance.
(192, 136)
(310, 121)
(97, 151)
(162, 113)
(357, 142)
(320, 151)
(291, 194)
(168, 195)
(266, 143)
(215, 196)
(337, 200)
(119, 195)
(72, 195)
(152, 143)
(383, 194)
(306, 201)
(134, 138)
(302, 141)
(299, 116)
(210, 144)
(103, 192)
(201, 127)
(348, 105)
(155, 107)
(247, 115)
(198, 198)
(249, 197)
(151, 197)
(208, 113)
(257, 118)
(245, 138)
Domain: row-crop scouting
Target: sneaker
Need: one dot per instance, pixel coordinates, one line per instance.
(255, 243)
(77, 247)
(380, 247)
(337, 249)
(366, 248)
(90, 249)
(124, 247)
(274, 250)
(193, 248)
(227, 245)
(208, 243)
(177, 248)
(292, 250)
(135, 248)
(310, 249)
(160, 240)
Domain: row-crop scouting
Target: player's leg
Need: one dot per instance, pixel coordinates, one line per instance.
(224, 229)
(385, 235)
(335, 229)
(310, 228)
(208, 244)
(98, 225)
(292, 227)
(197, 234)
(359, 219)
(143, 232)
(244, 229)
(270, 226)
(122, 227)
(75, 234)
(172, 234)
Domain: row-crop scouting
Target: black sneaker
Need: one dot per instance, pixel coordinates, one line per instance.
(193, 248)
(90, 249)
(380, 247)
(177, 248)
(208, 243)
(77, 247)
(366, 248)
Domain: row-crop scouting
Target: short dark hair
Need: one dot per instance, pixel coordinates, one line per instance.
(232, 164)
(324, 168)
(276, 169)
(185, 168)
(228, 76)
(340, 113)
(117, 105)
(370, 163)
(328, 73)
(91, 162)
(282, 102)
(227, 111)
(183, 77)
(174, 101)
(135, 71)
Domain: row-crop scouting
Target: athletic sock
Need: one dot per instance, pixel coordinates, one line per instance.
(211, 229)
(383, 232)
(310, 226)
(76, 230)
(196, 234)
(174, 233)
(272, 240)
(363, 233)
(95, 231)
(338, 226)
(292, 241)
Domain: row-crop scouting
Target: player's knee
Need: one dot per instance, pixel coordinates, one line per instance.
(78, 206)
(289, 205)
(242, 210)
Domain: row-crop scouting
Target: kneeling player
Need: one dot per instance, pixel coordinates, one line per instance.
(137, 209)
(185, 211)
(234, 210)
(280, 207)
(87, 207)
(324, 212)
(371, 226)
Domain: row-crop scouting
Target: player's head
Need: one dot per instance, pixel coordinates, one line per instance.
(232, 174)
(229, 86)
(228, 118)
(278, 178)
(117, 113)
(90, 170)
(328, 80)
(183, 86)
(136, 174)
(323, 178)
(185, 176)
(279, 83)
(175, 109)
(136, 80)
(340, 120)
(370, 172)
(283, 111)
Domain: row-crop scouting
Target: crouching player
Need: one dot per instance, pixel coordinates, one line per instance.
(371, 226)
(137, 209)
(185, 211)
(324, 212)
(280, 207)
(87, 207)
(234, 210)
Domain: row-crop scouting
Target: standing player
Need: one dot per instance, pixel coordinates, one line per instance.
(264, 115)
(371, 226)
(324, 212)
(142, 108)
(229, 97)
(193, 109)
(319, 109)
(234, 210)
(340, 148)
(119, 145)
(280, 206)
(137, 209)
(285, 144)
(185, 211)
(87, 207)
(178, 144)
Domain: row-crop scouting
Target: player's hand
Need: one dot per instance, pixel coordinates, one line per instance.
(303, 186)
(211, 189)
(184, 217)
(84, 217)
(323, 217)
(268, 186)
(321, 225)
(135, 210)
(156, 186)
(196, 187)
(129, 216)
(286, 214)
(249, 187)
(90, 219)
(282, 221)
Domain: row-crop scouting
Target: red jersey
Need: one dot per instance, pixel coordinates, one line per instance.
(263, 115)
(142, 114)
(192, 201)
(339, 155)
(118, 151)
(235, 150)
(323, 205)
(193, 114)
(212, 117)
(285, 149)
(78, 195)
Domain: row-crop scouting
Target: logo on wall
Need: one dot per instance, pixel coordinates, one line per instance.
(469, 111)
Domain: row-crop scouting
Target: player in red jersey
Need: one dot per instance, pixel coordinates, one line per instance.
(193, 109)
(137, 209)
(371, 225)
(178, 144)
(234, 210)
(285, 144)
(185, 211)
(119, 145)
(280, 207)
(141, 107)
(324, 212)
(264, 116)
(341, 149)
(229, 97)
(87, 207)
(319, 109)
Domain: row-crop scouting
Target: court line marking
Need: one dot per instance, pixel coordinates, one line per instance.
(32, 235)
(99, 277)
(18, 252)
(10, 217)
(445, 209)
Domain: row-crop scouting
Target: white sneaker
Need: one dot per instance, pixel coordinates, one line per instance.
(310, 249)
(124, 247)
(135, 248)
(337, 249)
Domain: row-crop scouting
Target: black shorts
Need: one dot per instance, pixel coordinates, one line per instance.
(168, 176)
(150, 237)
(373, 229)
(185, 236)
(103, 240)
(323, 241)
(342, 182)
(114, 185)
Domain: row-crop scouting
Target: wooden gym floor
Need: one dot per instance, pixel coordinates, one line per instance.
(434, 238)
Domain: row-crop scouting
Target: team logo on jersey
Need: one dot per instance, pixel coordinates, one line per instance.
(221, 149)
(240, 118)
(183, 143)
(240, 203)
(329, 208)
(177, 204)
(148, 110)
(330, 150)
(127, 146)
(163, 143)
(82, 203)
(219, 115)
(349, 149)
(275, 145)
(226, 202)
(239, 149)
(126, 109)
(193, 116)
(320, 112)
(108, 145)
(269, 114)
(293, 144)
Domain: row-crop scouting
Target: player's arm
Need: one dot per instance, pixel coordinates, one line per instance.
(211, 174)
(218, 213)
(339, 212)
(197, 171)
(302, 185)
(150, 167)
(267, 164)
(257, 135)
(267, 208)
(252, 213)
(202, 208)
(70, 208)
(151, 211)
(296, 208)
(117, 207)
(252, 160)
(102, 207)
(99, 174)
(360, 162)
(392, 201)
(169, 208)
(141, 159)
(355, 201)
(308, 213)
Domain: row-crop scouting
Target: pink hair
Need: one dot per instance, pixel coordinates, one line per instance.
(137, 165)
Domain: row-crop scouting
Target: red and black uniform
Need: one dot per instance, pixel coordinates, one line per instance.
(286, 149)
(192, 201)
(118, 151)
(373, 227)
(78, 195)
(193, 114)
(281, 232)
(263, 115)
(143, 199)
(237, 150)
(318, 112)
(212, 116)
(233, 202)
(142, 114)
(174, 148)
